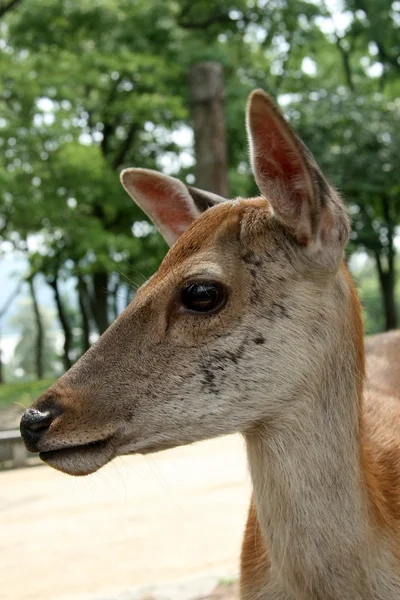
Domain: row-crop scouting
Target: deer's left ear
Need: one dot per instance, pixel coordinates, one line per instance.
(171, 205)
(288, 176)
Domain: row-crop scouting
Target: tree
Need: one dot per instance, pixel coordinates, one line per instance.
(25, 353)
(356, 141)
(5, 7)
(376, 24)
(76, 138)
(93, 87)
(39, 332)
(207, 102)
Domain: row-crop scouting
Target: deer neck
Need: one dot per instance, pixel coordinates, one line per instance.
(310, 492)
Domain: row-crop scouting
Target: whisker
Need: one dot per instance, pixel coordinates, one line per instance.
(153, 466)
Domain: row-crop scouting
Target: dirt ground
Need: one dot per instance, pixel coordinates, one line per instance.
(136, 529)
(225, 592)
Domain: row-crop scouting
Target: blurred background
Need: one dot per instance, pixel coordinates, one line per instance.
(90, 87)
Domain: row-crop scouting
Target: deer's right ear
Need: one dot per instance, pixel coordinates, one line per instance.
(288, 176)
(171, 205)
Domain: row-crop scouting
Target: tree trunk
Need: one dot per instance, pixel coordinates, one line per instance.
(83, 302)
(387, 282)
(62, 316)
(99, 301)
(115, 293)
(39, 331)
(206, 97)
(389, 301)
(388, 278)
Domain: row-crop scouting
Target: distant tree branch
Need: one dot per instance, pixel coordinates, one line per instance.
(39, 331)
(85, 321)
(379, 264)
(107, 132)
(343, 52)
(5, 307)
(221, 18)
(7, 6)
(125, 146)
(52, 280)
(390, 225)
(109, 125)
(346, 63)
(384, 55)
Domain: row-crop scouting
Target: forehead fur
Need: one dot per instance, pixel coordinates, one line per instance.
(224, 223)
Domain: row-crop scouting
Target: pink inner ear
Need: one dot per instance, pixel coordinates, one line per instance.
(165, 200)
(165, 206)
(281, 163)
(277, 156)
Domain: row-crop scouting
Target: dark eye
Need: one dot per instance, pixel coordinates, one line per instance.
(203, 297)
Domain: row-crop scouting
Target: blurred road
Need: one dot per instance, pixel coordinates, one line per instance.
(139, 521)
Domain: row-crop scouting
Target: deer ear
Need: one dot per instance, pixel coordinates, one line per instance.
(171, 205)
(286, 173)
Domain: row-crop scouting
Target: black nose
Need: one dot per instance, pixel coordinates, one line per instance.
(33, 425)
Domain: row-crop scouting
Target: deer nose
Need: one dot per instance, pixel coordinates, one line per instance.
(34, 424)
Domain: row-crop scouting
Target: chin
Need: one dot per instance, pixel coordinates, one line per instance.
(80, 460)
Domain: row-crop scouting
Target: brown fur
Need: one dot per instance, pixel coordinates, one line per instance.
(255, 562)
(381, 429)
(282, 362)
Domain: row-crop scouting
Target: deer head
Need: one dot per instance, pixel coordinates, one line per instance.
(228, 330)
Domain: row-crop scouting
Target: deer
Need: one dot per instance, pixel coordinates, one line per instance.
(252, 324)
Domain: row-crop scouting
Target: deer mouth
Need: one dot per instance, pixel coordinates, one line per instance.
(81, 459)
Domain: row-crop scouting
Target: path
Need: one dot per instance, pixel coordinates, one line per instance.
(140, 521)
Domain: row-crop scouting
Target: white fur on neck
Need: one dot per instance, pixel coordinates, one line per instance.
(310, 496)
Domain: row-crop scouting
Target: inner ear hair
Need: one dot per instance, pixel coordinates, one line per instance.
(203, 199)
(288, 175)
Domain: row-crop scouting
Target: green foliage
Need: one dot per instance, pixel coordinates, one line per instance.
(23, 393)
(356, 140)
(100, 96)
(91, 87)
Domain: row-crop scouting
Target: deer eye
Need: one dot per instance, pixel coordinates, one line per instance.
(204, 297)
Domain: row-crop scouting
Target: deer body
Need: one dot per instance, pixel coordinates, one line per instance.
(252, 324)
